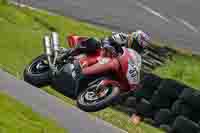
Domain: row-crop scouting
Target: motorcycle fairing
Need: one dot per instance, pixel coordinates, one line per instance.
(74, 40)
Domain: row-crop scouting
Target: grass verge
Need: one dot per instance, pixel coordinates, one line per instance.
(15, 118)
(184, 68)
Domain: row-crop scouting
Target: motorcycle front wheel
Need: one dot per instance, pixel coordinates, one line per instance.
(91, 101)
(37, 73)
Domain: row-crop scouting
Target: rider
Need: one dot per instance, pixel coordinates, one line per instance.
(137, 40)
(113, 44)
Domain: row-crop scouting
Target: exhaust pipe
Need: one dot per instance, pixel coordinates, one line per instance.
(47, 46)
(55, 43)
(48, 50)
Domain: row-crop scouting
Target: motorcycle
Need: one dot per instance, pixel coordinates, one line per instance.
(95, 86)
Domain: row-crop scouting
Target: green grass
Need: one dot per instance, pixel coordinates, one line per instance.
(20, 42)
(184, 68)
(16, 118)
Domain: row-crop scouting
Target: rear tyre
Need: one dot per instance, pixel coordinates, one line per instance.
(38, 72)
(89, 105)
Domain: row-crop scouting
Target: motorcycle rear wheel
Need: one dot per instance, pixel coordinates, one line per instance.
(99, 103)
(34, 75)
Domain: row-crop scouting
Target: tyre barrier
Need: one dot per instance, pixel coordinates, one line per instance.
(159, 101)
(170, 88)
(150, 83)
(195, 116)
(145, 108)
(184, 125)
(150, 80)
(186, 94)
(180, 108)
(163, 116)
(191, 97)
(163, 101)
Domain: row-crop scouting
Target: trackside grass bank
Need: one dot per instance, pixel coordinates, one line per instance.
(184, 68)
(15, 118)
(21, 32)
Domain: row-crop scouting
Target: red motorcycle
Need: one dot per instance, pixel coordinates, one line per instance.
(94, 79)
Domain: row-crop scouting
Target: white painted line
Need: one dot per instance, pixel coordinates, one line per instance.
(187, 24)
(148, 9)
(33, 8)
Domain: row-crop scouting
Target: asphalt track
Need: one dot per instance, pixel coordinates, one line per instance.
(67, 116)
(174, 21)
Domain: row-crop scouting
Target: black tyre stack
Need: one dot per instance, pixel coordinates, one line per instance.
(167, 104)
(186, 110)
(162, 100)
(163, 117)
(149, 83)
(145, 108)
(184, 125)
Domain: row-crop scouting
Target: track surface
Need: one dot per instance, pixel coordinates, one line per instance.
(75, 120)
(174, 21)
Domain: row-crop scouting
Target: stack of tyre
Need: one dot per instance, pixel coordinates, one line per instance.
(169, 104)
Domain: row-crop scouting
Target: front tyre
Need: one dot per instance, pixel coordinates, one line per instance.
(38, 72)
(91, 101)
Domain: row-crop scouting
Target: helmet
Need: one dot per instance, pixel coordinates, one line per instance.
(142, 38)
(120, 38)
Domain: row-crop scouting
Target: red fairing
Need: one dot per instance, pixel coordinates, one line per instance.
(73, 40)
(97, 68)
(90, 59)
